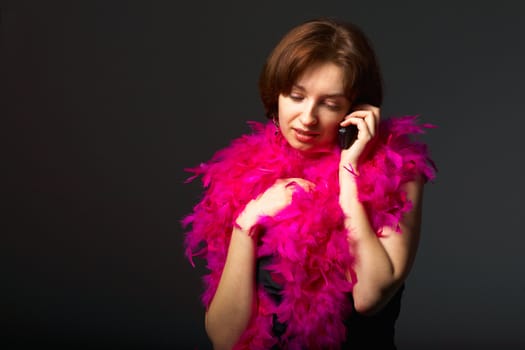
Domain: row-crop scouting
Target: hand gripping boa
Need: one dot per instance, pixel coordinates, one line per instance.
(308, 239)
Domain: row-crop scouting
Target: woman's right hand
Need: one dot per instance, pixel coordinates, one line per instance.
(270, 202)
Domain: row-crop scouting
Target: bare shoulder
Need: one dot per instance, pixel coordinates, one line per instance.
(402, 246)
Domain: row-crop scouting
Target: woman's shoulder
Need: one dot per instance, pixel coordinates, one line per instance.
(395, 158)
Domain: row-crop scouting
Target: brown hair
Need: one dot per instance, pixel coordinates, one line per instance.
(317, 41)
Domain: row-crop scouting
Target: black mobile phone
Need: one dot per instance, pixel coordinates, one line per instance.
(347, 136)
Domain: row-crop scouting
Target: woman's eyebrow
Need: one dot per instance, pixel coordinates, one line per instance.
(332, 95)
(336, 95)
(298, 87)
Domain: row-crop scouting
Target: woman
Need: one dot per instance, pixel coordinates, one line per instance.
(308, 243)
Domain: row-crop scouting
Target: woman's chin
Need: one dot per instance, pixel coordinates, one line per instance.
(310, 148)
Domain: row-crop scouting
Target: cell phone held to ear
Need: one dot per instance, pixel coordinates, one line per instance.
(347, 136)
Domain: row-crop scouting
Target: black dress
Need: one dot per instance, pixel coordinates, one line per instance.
(363, 332)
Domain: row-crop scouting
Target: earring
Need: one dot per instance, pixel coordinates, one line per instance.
(276, 123)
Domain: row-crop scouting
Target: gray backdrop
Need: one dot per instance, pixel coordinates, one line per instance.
(104, 103)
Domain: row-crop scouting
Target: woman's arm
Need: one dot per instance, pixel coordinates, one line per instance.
(234, 302)
(382, 263)
(231, 308)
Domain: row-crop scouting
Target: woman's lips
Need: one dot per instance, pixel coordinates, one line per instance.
(305, 136)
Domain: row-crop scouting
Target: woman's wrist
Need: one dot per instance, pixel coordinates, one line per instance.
(348, 195)
(245, 222)
(349, 168)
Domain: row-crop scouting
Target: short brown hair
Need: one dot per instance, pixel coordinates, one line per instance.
(317, 41)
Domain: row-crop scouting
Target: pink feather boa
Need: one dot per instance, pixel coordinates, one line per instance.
(308, 237)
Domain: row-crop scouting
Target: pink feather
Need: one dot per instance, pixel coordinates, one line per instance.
(307, 237)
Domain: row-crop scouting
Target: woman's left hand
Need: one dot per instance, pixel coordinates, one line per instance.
(366, 118)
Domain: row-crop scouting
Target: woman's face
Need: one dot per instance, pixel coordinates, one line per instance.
(310, 115)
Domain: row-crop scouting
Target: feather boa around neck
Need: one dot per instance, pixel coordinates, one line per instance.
(308, 238)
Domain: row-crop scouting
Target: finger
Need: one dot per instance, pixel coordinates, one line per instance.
(346, 121)
(362, 127)
(290, 184)
(366, 129)
(366, 116)
(304, 184)
(376, 111)
(367, 107)
(371, 123)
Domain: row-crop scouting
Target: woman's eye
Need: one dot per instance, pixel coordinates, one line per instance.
(333, 107)
(296, 97)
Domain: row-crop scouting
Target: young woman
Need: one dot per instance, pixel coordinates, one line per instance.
(309, 243)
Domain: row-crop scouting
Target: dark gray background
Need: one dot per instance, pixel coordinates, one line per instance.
(105, 102)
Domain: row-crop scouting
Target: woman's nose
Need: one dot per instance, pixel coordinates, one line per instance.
(309, 115)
